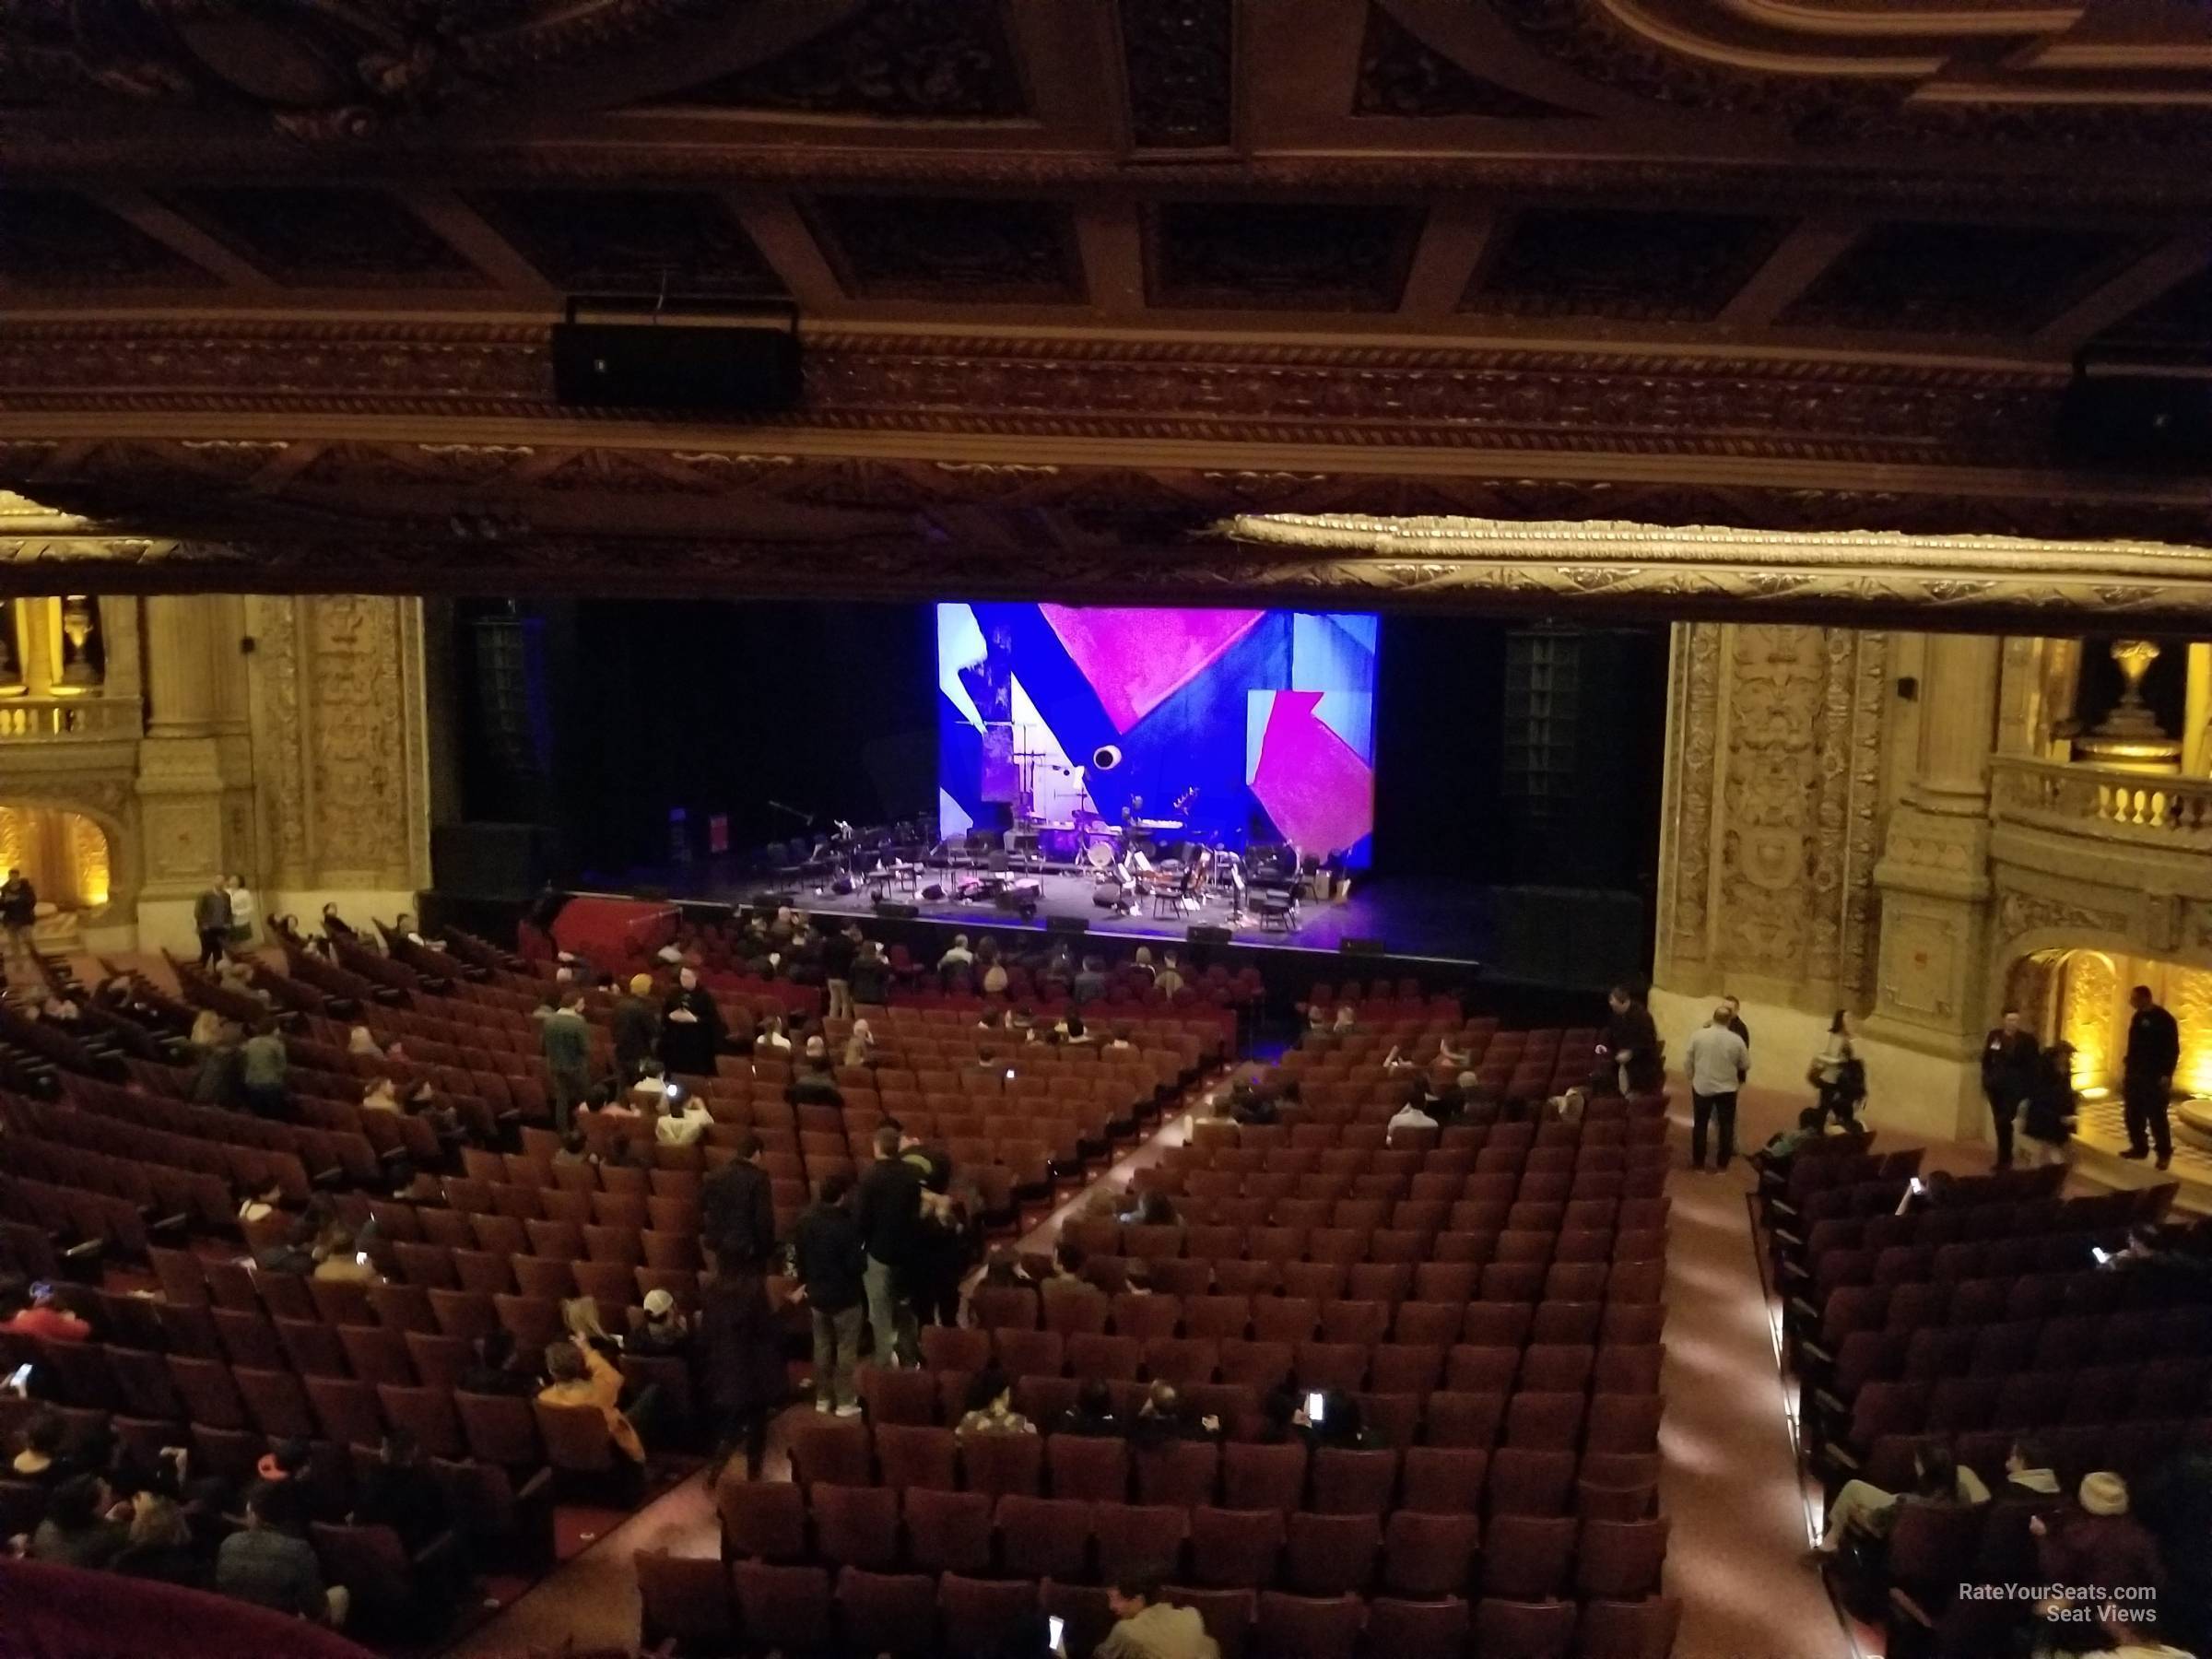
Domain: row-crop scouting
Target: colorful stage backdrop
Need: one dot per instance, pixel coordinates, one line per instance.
(1248, 725)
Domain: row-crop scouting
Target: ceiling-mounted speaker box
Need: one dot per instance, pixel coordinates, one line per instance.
(629, 354)
(2137, 415)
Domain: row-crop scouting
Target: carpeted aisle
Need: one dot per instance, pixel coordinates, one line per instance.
(1728, 1477)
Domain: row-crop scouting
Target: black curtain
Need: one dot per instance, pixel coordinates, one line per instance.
(718, 707)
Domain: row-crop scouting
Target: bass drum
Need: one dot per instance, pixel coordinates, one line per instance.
(1099, 855)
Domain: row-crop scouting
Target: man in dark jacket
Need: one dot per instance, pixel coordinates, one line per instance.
(1736, 1016)
(2154, 1049)
(691, 1028)
(211, 917)
(2009, 1058)
(636, 1024)
(1627, 1057)
(831, 1264)
(888, 1210)
(18, 909)
(737, 1217)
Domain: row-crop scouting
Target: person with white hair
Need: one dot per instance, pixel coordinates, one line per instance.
(860, 1047)
(662, 1329)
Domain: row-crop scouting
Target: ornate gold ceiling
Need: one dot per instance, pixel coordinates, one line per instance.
(1080, 280)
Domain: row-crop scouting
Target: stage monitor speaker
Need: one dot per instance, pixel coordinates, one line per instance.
(2145, 417)
(934, 892)
(1208, 933)
(841, 887)
(740, 361)
(1360, 945)
(492, 861)
(1067, 924)
(897, 910)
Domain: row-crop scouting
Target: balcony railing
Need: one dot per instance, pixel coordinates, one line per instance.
(2144, 807)
(64, 719)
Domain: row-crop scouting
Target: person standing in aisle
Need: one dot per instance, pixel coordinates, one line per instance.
(2010, 1058)
(1718, 1062)
(2154, 1049)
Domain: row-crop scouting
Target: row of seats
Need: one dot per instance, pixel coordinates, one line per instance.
(1415, 1552)
(1235, 1474)
(807, 1609)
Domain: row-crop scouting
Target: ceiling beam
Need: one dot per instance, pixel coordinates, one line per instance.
(780, 230)
(1452, 243)
(1811, 246)
(473, 239)
(2165, 266)
(181, 236)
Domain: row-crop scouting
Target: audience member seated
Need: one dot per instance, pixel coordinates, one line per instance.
(579, 1375)
(2102, 1567)
(1147, 1627)
(1092, 1414)
(42, 1310)
(398, 1491)
(1165, 1416)
(1863, 1510)
(661, 1328)
(84, 1525)
(496, 1367)
(160, 1544)
(39, 1459)
(991, 1407)
(269, 1563)
(684, 1126)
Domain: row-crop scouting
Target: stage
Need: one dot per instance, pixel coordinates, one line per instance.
(1412, 920)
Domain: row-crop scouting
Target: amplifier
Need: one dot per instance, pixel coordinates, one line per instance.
(897, 910)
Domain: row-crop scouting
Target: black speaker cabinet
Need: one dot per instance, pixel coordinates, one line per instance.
(1360, 945)
(896, 909)
(742, 365)
(1208, 933)
(1067, 924)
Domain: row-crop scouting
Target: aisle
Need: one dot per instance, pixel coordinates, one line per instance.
(1728, 1475)
(591, 1601)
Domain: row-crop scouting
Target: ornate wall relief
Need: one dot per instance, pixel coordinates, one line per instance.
(338, 706)
(1774, 811)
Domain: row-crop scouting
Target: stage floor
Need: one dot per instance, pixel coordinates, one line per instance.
(1427, 920)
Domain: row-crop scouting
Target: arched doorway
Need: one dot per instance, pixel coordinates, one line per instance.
(2080, 995)
(64, 854)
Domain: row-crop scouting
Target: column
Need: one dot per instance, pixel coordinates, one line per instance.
(2197, 716)
(180, 771)
(1958, 723)
(1932, 981)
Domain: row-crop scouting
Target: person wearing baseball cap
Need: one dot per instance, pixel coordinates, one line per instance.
(662, 1329)
(2097, 1555)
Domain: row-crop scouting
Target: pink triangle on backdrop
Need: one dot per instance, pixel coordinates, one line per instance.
(1313, 783)
(1136, 660)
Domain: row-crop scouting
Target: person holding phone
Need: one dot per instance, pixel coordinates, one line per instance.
(1147, 1626)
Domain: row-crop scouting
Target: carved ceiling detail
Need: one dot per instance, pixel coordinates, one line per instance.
(899, 59)
(313, 71)
(1400, 74)
(1087, 387)
(1179, 56)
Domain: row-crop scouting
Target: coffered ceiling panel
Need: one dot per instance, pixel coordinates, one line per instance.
(892, 59)
(1307, 256)
(1966, 278)
(2182, 316)
(327, 237)
(1647, 266)
(950, 248)
(631, 242)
